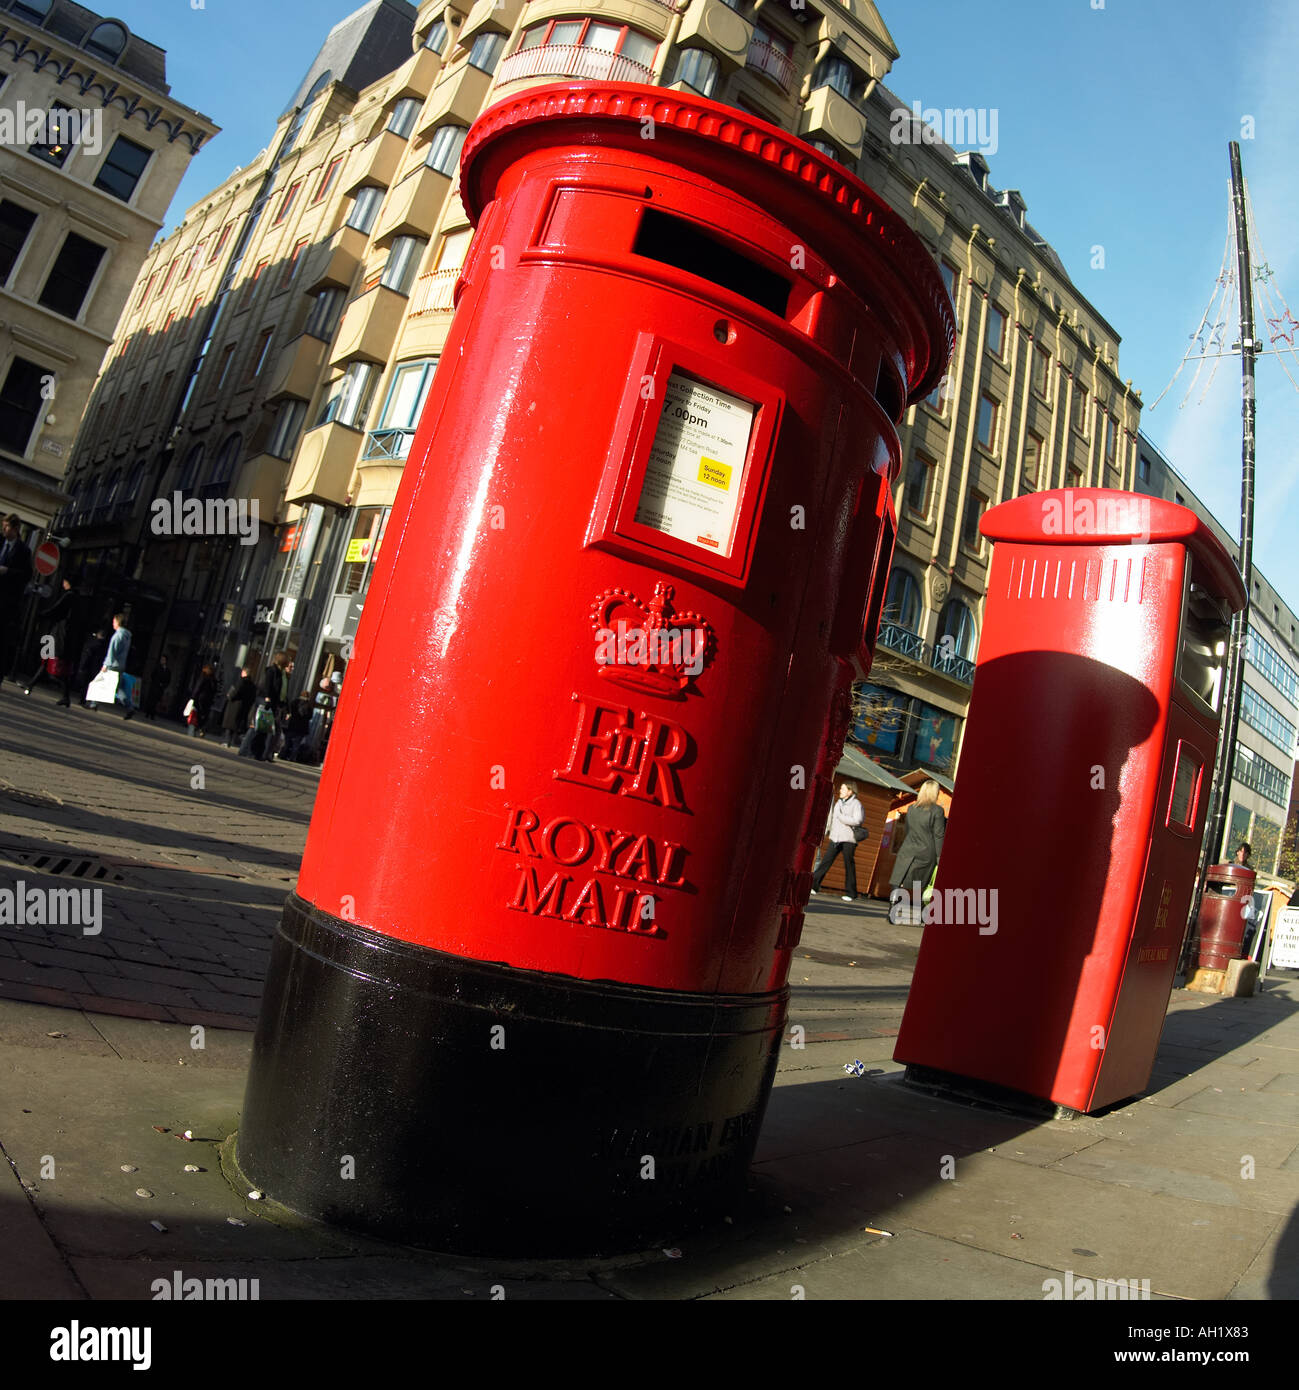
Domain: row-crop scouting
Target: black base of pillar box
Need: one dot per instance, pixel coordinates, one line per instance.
(478, 1109)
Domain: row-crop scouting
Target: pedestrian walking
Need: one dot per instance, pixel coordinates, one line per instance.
(260, 732)
(275, 681)
(918, 856)
(115, 659)
(93, 652)
(156, 687)
(61, 638)
(15, 571)
(199, 707)
(239, 703)
(842, 827)
(297, 728)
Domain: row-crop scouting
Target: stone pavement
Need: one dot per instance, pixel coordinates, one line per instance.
(863, 1188)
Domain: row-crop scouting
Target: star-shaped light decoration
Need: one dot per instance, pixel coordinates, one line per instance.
(1284, 327)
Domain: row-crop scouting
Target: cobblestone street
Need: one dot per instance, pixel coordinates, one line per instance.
(193, 847)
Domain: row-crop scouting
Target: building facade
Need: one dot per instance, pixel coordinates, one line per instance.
(92, 146)
(1262, 782)
(334, 305)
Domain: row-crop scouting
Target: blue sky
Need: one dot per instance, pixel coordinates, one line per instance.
(1112, 121)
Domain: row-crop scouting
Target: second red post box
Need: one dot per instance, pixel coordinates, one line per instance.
(1070, 857)
(533, 980)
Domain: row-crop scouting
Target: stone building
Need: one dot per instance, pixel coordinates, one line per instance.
(1263, 779)
(281, 342)
(92, 146)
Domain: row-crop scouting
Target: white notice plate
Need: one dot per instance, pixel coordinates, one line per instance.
(696, 465)
(1285, 940)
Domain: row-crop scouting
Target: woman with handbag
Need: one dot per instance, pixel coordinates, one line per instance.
(917, 859)
(846, 832)
(200, 703)
(60, 627)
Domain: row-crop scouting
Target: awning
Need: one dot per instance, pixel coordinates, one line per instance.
(855, 763)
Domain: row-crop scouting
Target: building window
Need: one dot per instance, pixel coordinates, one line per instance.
(444, 149)
(617, 39)
(120, 172)
(1111, 438)
(1041, 372)
(936, 400)
(951, 283)
(1260, 714)
(189, 472)
(1073, 476)
(995, 340)
(1143, 468)
(399, 417)
(989, 410)
(221, 242)
(171, 318)
(403, 261)
(323, 318)
(1266, 659)
(21, 404)
(437, 36)
(106, 41)
(227, 462)
(974, 504)
(1261, 776)
(365, 206)
(34, 11)
(402, 120)
(227, 356)
(15, 224)
(831, 152)
(166, 279)
(902, 601)
(1081, 401)
(328, 177)
(349, 397)
(486, 52)
(70, 276)
(919, 478)
(288, 424)
(287, 202)
(291, 265)
(1032, 461)
(956, 631)
(258, 358)
(59, 129)
(698, 70)
(838, 73)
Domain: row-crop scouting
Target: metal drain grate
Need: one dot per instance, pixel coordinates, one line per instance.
(89, 868)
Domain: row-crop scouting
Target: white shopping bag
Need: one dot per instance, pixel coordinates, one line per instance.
(103, 689)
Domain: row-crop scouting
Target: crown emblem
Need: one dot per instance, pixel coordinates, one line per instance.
(648, 647)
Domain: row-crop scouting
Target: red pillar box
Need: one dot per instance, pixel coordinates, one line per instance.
(533, 976)
(1070, 855)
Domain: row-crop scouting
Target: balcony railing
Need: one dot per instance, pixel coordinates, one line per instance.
(773, 63)
(387, 444)
(901, 640)
(955, 666)
(571, 60)
(433, 292)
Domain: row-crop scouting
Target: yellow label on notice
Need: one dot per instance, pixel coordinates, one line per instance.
(718, 474)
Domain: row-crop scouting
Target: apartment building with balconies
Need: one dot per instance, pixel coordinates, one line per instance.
(337, 310)
(1262, 783)
(92, 146)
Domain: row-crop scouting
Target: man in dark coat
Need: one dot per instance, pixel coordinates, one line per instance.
(15, 571)
(239, 701)
(918, 856)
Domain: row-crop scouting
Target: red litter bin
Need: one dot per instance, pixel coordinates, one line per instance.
(1222, 920)
(529, 994)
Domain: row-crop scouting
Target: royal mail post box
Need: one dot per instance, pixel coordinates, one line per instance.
(533, 977)
(1072, 844)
